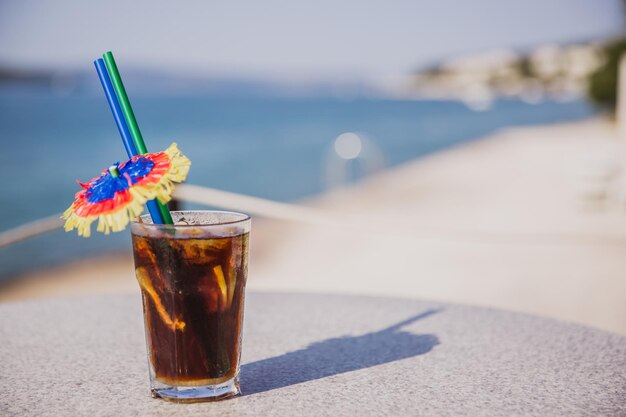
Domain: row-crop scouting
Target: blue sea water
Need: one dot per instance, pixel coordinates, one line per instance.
(267, 147)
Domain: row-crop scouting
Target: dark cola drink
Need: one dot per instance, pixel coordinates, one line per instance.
(192, 277)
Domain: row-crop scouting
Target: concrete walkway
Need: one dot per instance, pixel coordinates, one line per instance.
(524, 220)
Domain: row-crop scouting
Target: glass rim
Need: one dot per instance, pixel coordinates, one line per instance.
(244, 218)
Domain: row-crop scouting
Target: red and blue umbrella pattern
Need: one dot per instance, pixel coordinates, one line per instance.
(121, 191)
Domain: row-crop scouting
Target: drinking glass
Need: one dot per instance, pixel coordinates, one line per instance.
(192, 276)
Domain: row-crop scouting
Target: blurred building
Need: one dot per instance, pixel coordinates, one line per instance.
(546, 72)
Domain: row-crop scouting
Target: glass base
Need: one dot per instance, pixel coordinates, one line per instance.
(198, 393)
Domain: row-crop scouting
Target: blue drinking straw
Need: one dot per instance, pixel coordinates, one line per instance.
(105, 80)
(115, 107)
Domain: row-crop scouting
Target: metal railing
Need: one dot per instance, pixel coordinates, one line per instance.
(354, 222)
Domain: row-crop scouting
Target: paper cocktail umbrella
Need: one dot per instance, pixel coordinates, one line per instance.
(120, 192)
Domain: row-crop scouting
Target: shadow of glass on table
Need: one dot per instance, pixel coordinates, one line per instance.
(336, 356)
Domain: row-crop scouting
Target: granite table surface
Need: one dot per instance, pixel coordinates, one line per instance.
(318, 355)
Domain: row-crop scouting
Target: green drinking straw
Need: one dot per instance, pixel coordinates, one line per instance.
(131, 121)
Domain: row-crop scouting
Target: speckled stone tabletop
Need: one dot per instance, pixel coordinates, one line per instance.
(318, 355)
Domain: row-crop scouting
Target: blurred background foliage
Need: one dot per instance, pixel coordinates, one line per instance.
(603, 81)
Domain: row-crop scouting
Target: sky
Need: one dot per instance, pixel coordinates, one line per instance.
(288, 39)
